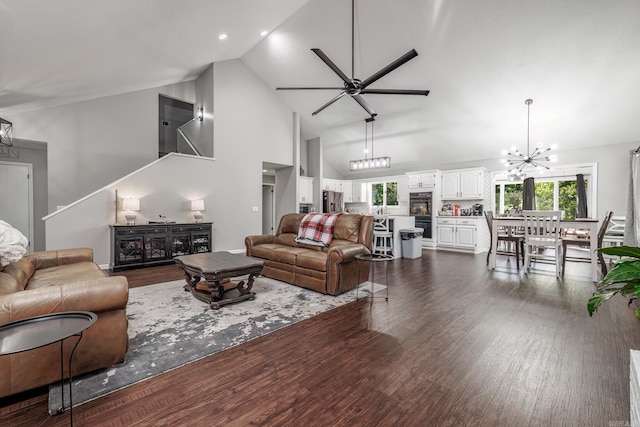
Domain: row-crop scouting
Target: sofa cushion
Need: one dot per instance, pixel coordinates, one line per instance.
(264, 250)
(14, 277)
(347, 228)
(286, 254)
(62, 274)
(313, 260)
(288, 239)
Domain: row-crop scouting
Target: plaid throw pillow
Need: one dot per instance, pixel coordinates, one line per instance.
(317, 229)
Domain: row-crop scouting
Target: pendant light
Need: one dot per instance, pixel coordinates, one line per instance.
(519, 162)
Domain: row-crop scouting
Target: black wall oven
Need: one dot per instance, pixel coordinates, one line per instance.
(420, 207)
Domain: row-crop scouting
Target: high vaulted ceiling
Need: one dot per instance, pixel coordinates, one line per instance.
(577, 59)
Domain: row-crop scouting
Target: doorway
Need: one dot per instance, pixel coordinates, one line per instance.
(16, 193)
(172, 113)
(268, 209)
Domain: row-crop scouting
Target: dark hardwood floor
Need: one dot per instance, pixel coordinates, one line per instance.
(455, 345)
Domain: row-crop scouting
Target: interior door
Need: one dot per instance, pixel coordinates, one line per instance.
(16, 193)
(268, 210)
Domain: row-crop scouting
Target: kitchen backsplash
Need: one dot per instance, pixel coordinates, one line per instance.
(363, 208)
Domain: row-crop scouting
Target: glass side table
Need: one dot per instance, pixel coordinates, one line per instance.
(373, 259)
(35, 332)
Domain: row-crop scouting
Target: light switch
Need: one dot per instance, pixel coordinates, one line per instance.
(255, 209)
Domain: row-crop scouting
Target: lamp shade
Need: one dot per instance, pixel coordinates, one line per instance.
(197, 205)
(131, 204)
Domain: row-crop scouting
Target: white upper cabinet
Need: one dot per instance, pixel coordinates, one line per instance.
(305, 192)
(464, 184)
(403, 190)
(418, 180)
(359, 192)
(347, 192)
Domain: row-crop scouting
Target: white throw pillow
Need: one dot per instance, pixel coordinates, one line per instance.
(13, 244)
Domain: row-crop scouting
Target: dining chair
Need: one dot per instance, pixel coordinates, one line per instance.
(509, 238)
(382, 237)
(542, 231)
(614, 234)
(573, 240)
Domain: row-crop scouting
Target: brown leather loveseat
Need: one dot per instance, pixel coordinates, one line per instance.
(54, 281)
(330, 270)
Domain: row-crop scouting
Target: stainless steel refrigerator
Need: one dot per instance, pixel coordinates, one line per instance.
(332, 202)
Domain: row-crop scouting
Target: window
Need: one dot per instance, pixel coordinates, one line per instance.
(512, 197)
(384, 194)
(557, 192)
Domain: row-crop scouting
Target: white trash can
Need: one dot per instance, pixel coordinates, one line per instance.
(411, 242)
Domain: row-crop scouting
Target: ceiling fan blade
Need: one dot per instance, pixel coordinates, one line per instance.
(310, 88)
(340, 95)
(333, 66)
(396, 91)
(389, 68)
(360, 100)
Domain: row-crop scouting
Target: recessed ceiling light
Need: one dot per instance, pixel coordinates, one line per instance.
(222, 36)
(263, 33)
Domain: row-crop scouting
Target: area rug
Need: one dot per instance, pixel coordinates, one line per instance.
(169, 328)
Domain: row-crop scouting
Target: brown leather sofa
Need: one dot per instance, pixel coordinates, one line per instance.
(55, 281)
(331, 270)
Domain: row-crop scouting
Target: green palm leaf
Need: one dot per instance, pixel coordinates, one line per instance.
(628, 251)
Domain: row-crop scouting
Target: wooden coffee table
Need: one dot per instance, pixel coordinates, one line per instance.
(217, 268)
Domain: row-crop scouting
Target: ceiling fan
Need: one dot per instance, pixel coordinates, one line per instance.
(356, 87)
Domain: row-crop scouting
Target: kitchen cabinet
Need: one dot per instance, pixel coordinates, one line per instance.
(359, 192)
(422, 180)
(332, 184)
(347, 191)
(135, 246)
(461, 185)
(462, 233)
(403, 190)
(305, 190)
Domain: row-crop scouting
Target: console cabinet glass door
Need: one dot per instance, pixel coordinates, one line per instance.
(155, 247)
(129, 249)
(180, 243)
(200, 242)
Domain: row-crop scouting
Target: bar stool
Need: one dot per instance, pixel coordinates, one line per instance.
(382, 237)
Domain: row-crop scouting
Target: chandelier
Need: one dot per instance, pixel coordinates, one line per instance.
(369, 162)
(518, 162)
(6, 132)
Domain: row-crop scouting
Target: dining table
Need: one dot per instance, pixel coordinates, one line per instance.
(587, 224)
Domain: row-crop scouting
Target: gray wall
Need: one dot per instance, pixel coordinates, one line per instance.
(161, 191)
(252, 126)
(35, 153)
(93, 143)
(203, 131)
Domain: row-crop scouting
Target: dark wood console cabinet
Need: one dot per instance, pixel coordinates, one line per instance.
(135, 246)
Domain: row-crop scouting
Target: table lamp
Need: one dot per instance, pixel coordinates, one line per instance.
(197, 206)
(130, 205)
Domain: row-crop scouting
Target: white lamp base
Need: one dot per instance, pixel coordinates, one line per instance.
(131, 218)
(197, 217)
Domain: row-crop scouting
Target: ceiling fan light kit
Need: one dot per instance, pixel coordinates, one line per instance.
(519, 162)
(355, 88)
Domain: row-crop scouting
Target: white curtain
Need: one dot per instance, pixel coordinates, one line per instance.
(632, 218)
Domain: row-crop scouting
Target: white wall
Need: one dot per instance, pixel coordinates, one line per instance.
(613, 171)
(93, 143)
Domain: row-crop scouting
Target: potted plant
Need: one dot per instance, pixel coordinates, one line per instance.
(624, 278)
